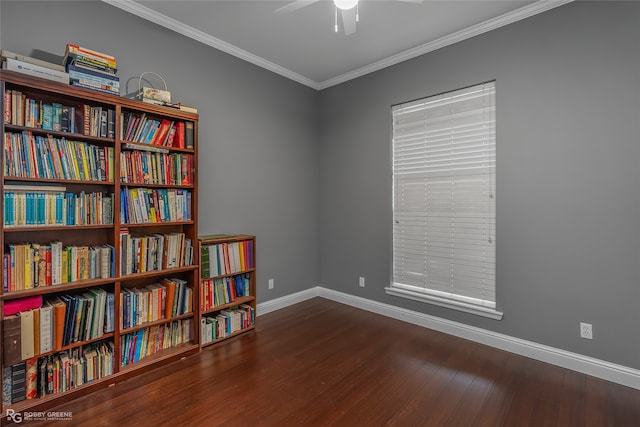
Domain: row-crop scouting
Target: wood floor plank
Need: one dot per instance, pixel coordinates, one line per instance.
(321, 363)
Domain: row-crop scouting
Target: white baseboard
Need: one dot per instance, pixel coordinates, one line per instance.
(287, 300)
(587, 365)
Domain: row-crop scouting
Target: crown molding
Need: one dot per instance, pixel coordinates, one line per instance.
(195, 34)
(475, 30)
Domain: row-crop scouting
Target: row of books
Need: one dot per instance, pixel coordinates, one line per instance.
(26, 206)
(226, 322)
(157, 301)
(145, 205)
(21, 110)
(42, 326)
(145, 342)
(153, 252)
(139, 128)
(147, 167)
(225, 290)
(226, 258)
(32, 265)
(57, 373)
(91, 69)
(144, 129)
(26, 156)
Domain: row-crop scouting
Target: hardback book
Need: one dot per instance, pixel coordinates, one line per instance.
(18, 382)
(27, 349)
(6, 385)
(35, 70)
(46, 327)
(188, 135)
(74, 49)
(59, 315)
(81, 73)
(36, 331)
(204, 256)
(31, 378)
(21, 304)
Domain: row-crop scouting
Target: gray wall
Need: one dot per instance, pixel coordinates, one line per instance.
(258, 168)
(568, 175)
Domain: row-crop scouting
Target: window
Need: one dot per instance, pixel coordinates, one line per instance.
(444, 200)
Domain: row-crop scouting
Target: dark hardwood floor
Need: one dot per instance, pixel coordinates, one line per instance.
(320, 363)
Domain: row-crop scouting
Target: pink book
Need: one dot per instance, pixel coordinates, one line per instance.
(23, 304)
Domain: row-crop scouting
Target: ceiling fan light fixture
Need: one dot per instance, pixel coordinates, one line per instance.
(345, 4)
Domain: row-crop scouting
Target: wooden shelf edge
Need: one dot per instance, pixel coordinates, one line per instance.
(163, 356)
(233, 335)
(238, 301)
(56, 228)
(44, 290)
(222, 238)
(152, 273)
(146, 325)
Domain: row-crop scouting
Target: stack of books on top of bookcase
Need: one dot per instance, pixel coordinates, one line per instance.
(91, 69)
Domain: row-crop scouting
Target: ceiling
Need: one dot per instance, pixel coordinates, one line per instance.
(303, 46)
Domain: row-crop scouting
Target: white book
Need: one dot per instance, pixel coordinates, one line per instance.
(26, 326)
(46, 327)
(12, 64)
(56, 263)
(7, 54)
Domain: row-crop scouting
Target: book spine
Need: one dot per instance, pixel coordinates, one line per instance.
(6, 107)
(88, 85)
(84, 72)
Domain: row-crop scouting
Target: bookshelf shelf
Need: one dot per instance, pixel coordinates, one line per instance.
(139, 185)
(160, 273)
(155, 323)
(237, 301)
(129, 145)
(167, 355)
(59, 134)
(227, 286)
(59, 181)
(41, 228)
(84, 161)
(66, 287)
(155, 224)
(232, 335)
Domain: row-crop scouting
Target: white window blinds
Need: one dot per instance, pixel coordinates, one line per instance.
(444, 158)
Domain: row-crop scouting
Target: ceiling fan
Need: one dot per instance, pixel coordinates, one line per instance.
(348, 11)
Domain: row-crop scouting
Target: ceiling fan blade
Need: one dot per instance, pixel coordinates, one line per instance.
(293, 6)
(349, 21)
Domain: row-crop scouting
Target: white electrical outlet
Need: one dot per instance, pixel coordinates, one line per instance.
(271, 284)
(361, 282)
(586, 331)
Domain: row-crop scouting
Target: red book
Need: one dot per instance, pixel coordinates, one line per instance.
(48, 279)
(162, 132)
(178, 139)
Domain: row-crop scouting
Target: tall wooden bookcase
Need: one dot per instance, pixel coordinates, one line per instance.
(133, 251)
(227, 286)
